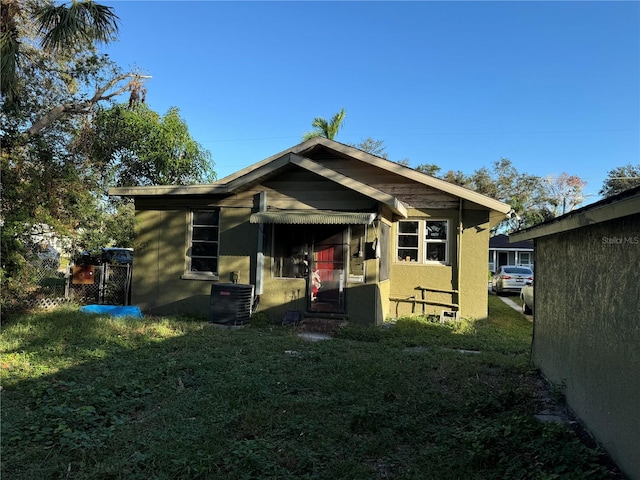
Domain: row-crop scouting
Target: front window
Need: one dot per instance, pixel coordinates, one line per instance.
(290, 251)
(435, 245)
(408, 241)
(205, 240)
(436, 238)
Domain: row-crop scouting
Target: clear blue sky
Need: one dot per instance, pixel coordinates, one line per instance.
(553, 86)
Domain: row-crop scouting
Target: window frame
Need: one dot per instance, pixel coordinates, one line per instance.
(202, 274)
(423, 241)
(408, 235)
(436, 241)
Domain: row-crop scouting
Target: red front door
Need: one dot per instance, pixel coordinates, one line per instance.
(327, 279)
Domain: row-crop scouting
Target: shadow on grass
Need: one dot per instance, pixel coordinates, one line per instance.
(97, 398)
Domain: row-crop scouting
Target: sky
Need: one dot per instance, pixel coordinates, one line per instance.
(552, 86)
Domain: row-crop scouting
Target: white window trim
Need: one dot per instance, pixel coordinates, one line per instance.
(422, 245)
(445, 242)
(416, 235)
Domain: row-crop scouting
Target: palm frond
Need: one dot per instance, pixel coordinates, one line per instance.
(10, 48)
(61, 26)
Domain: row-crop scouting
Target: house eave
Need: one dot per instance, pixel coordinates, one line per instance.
(295, 155)
(622, 205)
(169, 190)
(501, 209)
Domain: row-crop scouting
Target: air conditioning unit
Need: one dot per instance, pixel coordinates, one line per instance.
(230, 303)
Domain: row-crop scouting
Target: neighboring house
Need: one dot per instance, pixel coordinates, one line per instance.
(321, 228)
(501, 252)
(587, 318)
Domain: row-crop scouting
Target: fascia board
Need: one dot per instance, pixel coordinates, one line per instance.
(156, 190)
(582, 218)
(256, 174)
(247, 170)
(419, 177)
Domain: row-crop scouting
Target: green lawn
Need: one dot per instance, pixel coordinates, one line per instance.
(169, 398)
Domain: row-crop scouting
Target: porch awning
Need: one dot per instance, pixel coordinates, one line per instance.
(313, 217)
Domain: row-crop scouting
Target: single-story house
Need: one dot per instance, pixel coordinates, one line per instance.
(503, 252)
(321, 228)
(587, 318)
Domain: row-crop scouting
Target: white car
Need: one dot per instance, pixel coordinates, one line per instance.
(511, 278)
(526, 295)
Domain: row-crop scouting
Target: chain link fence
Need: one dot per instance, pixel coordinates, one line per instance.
(106, 284)
(49, 281)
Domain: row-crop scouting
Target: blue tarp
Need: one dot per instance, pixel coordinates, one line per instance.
(112, 310)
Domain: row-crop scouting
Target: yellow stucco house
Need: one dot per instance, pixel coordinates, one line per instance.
(322, 229)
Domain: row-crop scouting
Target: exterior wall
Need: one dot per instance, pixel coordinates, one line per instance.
(474, 301)
(160, 286)
(587, 329)
(160, 258)
(472, 281)
(384, 291)
(406, 276)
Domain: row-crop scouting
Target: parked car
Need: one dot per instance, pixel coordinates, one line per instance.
(510, 278)
(101, 256)
(526, 295)
(117, 255)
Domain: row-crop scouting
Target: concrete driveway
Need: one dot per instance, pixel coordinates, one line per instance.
(511, 303)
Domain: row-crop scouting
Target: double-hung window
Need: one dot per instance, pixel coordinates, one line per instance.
(423, 241)
(409, 241)
(436, 237)
(204, 242)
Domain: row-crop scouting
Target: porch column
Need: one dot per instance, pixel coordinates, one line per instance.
(262, 207)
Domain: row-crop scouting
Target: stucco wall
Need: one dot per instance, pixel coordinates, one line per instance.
(472, 284)
(160, 257)
(474, 301)
(587, 329)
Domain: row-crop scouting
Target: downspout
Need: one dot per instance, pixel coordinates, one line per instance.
(262, 207)
(459, 253)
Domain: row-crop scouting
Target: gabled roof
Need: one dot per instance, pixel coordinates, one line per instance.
(384, 164)
(267, 169)
(296, 156)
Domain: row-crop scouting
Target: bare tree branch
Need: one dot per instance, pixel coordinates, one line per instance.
(84, 107)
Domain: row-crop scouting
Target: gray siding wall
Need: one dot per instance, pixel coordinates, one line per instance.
(587, 329)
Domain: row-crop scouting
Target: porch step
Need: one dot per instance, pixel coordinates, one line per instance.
(321, 325)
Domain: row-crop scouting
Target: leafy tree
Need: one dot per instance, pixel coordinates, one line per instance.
(326, 128)
(372, 146)
(524, 192)
(57, 27)
(137, 146)
(565, 192)
(48, 183)
(429, 168)
(457, 177)
(56, 92)
(620, 179)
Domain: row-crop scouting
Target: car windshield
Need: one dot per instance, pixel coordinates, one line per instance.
(521, 270)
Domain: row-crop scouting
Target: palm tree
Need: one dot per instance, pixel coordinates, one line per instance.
(324, 128)
(57, 27)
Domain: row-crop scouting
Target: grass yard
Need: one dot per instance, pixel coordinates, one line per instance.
(171, 398)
